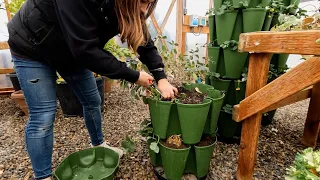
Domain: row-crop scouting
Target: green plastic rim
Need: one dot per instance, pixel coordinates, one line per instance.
(253, 19)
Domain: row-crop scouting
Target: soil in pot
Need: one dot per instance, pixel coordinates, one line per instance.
(253, 19)
(190, 96)
(224, 25)
(174, 155)
(203, 151)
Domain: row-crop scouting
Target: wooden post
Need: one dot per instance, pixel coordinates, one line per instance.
(179, 25)
(251, 126)
(312, 125)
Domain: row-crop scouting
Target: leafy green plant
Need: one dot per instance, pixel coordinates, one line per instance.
(128, 145)
(306, 166)
(244, 3)
(226, 6)
(147, 132)
(232, 45)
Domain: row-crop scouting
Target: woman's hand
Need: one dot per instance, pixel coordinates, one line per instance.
(166, 89)
(144, 79)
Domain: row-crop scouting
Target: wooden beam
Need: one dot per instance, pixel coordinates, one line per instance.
(6, 70)
(4, 45)
(164, 22)
(179, 24)
(7, 9)
(155, 23)
(300, 77)
(312, 125)
(302, 95)
(288, 42)
(257, 78)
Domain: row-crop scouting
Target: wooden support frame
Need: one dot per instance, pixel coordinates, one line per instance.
(303, 82)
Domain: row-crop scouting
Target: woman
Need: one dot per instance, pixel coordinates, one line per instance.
(68, 36)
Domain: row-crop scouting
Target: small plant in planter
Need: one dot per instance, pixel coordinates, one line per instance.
(234, 61)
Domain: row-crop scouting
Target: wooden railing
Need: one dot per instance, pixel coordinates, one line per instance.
(299, 83)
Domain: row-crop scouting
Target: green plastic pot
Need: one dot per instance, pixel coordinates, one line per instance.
(203, 158)
(265, 3)
(236, 3)
(217, 98)
(202, 87)
(174, 161)
(221, 69)
(227, 127)
(212, 28)
(286, 2)
(238, 28)
(144, 99)
(282, 61)
(160, 113)
(191, 162)
(174, 123)
(225, 25)
(266, 120)
(93, 163)
(192, 119)
(234, 62)
(154, 157)
(253, 19)
(240, 90)
(275, 20)
(213, 55)
(267, 22)
(218, 3)
(220, 84)
(207, 80)
(254, 3)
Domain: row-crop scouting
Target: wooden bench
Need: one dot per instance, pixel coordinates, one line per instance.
(299, 83)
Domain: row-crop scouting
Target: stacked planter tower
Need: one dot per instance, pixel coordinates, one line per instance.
(228, 66)
(192, 123)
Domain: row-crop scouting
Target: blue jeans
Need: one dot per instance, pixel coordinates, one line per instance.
(38, 82)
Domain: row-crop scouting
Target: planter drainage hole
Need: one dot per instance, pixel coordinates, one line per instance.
(90, 177)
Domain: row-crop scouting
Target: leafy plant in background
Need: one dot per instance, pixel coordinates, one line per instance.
(275, 7)
(226, 6)
(232, 45)
(147, 132)
(128, 145)
(306, 166)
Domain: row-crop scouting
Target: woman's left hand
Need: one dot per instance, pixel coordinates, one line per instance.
(166, 89)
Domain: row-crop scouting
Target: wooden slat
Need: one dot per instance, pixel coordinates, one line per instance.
(312, 125)
(300, 77)
(4, 45)
(6, 70)
(164, 22)
(179, 24)
(257, 78)
(156, 25)
(302, 95)
(288, 42)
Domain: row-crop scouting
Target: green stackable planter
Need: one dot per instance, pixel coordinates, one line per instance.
(234, 62)
(174, 161)
(213, 55)
(202, 87)
(207, 80)
(254, 3)
(203, 155)
(221, 69)
(267, 22)
(220, 84)
(160, 114)
(240, 90)
(174, 123)
(253, 19)
(191, 166)
(282, 61)
(238, 28)
(192, 119)
(237, 3)
(93, 163)
(265, 3)
(218, 3)
(275, 20)
(225, 25)
(212, 28)
(227, 127)
(217, 100)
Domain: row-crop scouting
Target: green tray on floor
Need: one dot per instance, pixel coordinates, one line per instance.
(96, 163)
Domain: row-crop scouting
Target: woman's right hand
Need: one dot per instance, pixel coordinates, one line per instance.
(144, 79)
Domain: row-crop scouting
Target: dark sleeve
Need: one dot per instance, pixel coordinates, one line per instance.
(79, 25)
(150, 57)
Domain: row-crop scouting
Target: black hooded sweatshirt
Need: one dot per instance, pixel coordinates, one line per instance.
(71, 34)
